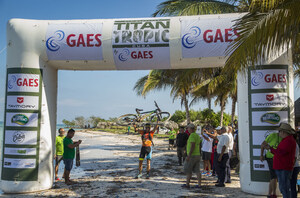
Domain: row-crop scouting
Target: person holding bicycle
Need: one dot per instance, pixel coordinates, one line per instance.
(146, 150)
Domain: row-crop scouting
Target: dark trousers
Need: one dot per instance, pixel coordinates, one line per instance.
(227, 170)
(294, 182)
(215, 162)
(221, 168)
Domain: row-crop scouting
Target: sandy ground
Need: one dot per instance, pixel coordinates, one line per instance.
(109, 164)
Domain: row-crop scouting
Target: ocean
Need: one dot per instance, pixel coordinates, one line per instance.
(57, 126)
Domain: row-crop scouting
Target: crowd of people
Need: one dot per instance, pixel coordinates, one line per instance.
(216, 146)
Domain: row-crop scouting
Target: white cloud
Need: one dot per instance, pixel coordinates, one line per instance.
(71, 102)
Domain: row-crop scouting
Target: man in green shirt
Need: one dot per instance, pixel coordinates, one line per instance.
(172, 137)
(69, 154)
(273, 140)
(59, 150)
(192, 161)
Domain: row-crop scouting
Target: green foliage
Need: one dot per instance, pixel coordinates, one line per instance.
(178, 116)
(206, 116)
(93, 120)
(68, 123)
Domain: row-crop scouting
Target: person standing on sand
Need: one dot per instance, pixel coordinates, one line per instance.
(231, 142)
(192, 161)
(206, 150)
(273, 140)
(181, 141)
(59, 150)
(222, 150)
(146, 150)
(284, 158)
(172, 137)
(69, 154)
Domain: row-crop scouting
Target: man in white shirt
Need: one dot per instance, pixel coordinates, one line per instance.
(206, 150)
(222, 150)
(227, 171)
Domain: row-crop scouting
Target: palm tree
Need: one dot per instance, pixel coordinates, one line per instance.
(270, 26)
(181, 83)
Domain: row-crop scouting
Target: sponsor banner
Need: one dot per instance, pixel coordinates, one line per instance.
(23, 83)
(21, 119)
(269, 118)
(140, 44)
(19, 151)
(269, 100)
(260, 166)
(19, 163)
(256, 152)
(23, 102)
(206, 38)
(258, 136)
(269, 79)
(74, 41)
(21, 137)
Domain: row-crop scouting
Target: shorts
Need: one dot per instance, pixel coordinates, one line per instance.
(271, 170)
(193, 165)
(206, 155)
(181, 152)
(171, 141)
(58, 160)
(68, 164)
(146, 151)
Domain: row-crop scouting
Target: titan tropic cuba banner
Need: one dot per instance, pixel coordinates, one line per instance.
(141, 44)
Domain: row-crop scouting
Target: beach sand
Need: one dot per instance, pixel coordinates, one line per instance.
(109, 164)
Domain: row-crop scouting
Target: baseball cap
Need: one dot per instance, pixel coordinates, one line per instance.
(218, 128)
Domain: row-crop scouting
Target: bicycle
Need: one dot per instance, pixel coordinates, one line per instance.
(154, 117)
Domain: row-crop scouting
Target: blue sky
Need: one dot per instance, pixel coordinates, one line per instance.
(100, 93)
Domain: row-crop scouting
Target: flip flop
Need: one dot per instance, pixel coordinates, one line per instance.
(185, 186)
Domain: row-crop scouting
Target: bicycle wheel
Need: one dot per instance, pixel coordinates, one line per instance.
(127, 119)
(160, 118)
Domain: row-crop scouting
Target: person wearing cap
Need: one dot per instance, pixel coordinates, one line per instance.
(284, 158)
(207, 142)
(273, 140)
(59, 150)
(296, 166)
(192, 162)
(181, 141)
(146, 150)
(230, 153)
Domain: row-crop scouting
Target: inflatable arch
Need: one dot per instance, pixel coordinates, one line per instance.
(37, 49)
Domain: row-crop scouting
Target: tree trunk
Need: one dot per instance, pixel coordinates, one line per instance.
(234, 99)
(209, 103)
(222, 112)
(187, 111)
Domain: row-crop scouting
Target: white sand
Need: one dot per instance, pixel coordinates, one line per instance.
(109, 163)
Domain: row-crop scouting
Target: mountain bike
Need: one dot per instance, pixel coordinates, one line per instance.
(154, 117)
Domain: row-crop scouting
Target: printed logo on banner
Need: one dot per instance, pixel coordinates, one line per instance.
(23, 83)
(141, 43)
(22, 102)
(21, 137)
(269, 100)
(190, 39)
(19, 163)
(269, 79)
(271, 118)
(74, 41)
(265, 118)
(18, 137)
(258, 136)
(22, 119)
(19, 151)
(199, 39)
